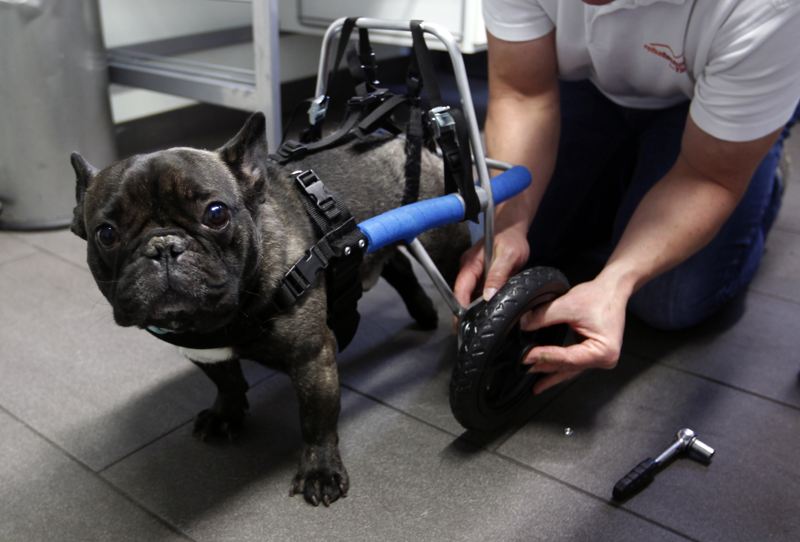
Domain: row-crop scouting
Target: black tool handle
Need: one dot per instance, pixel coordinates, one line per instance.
(641, 475)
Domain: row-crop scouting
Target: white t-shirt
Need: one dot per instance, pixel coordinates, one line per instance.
(737, 60)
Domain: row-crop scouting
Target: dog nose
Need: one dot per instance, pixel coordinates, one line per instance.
(165, 245)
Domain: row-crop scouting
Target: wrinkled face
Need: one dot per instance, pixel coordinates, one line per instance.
(170, 241)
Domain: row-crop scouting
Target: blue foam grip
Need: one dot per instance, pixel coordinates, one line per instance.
(510, 183)
(407, 222)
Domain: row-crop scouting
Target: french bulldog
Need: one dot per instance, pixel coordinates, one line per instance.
(193, 241)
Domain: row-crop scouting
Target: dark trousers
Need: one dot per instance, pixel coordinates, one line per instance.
(609, 157)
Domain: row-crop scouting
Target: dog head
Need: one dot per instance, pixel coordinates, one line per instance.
(172, 236)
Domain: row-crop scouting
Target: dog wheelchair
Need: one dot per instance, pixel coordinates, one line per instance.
(489, 386)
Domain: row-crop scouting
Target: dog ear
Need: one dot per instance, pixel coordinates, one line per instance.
(246, 156)
(247, 150)
(84, 173)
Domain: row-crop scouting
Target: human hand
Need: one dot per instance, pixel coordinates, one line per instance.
(511, 252)
(596, 311)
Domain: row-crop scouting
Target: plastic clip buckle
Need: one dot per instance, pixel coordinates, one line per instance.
(314, 187)
(303, 274)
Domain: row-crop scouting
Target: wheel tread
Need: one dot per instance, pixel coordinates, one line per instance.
(521, 293)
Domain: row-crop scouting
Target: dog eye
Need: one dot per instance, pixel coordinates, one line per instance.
(217, 215)
(107, 235)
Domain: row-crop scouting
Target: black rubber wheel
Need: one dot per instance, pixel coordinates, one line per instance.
(490, 384)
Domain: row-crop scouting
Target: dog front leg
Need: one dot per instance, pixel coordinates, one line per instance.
(225, 416)
(321, 476)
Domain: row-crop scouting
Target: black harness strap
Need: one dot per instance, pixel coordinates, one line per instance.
(369, 63)
(365, 114)
(379, 117)
(314, 131)
(449, 129)
(415, 135)
(338, 252)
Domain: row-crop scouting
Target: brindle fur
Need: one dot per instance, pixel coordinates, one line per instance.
(156, 203)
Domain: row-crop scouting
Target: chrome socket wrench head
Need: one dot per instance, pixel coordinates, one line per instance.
(644, 472)
(695, 448)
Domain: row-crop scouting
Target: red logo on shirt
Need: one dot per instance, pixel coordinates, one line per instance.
(676, 62)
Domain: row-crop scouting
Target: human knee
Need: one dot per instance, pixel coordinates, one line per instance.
(680, 299)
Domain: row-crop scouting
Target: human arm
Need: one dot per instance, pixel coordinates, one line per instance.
(522, 127)
(677, 217)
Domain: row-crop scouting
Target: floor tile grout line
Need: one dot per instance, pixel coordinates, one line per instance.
(49, 252)
(17, 258)
(707, 378)
(591, 495)
(178, 427)
(520, 464)
(117, 461)
(731, 386)
(97, 476)
(758, 291)
(785, 229)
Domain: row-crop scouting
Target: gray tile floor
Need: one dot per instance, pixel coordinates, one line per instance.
(95, 427)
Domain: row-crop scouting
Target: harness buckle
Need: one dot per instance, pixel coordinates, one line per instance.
(318, 109)
(304, 273)
(440, 120)
(314, 187)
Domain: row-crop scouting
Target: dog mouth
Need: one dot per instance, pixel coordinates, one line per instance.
(191, 296)
(170, 320)
(177, 311)
(174, 313)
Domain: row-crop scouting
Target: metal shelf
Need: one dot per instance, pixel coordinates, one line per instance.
(238, 68)
(243, 68)
(206, 82)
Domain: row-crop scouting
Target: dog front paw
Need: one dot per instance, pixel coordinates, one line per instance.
(321, 478)
(222, 420)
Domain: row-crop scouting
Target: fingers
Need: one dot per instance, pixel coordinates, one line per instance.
(594, 312)
(583, 355)
(549, 314)
(504, 264)
(469, 275)
(511, 251)
(553, 368)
